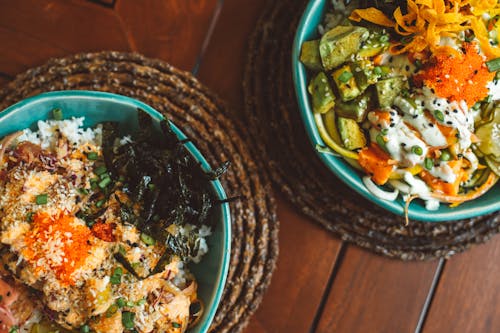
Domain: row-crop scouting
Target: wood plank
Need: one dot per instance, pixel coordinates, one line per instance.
(19, 52)
(304, 267)
(307, 256)
(73, 26)
(223, 63)
(170, 30)
(371, 293)
(467, 298)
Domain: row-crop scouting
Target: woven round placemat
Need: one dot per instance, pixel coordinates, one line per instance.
(273, 116)
(205, 120)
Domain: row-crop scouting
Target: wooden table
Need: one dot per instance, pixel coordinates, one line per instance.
(321, 284)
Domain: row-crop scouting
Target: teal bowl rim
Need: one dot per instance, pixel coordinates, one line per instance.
(336, 164)
(226, 215)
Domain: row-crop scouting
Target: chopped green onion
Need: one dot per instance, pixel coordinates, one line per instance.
(128, 319)
(130, 304)
(148, 240)
(493, 65)
(384, 131)
(41, 199)
(176, 325)
(345, 76)
(29, 218)
(14, 329)
(104, 175)
(377, 70)
(100, 203)
(89, 223)
(380, 141)
(151, 186)
(141, 302)
(120, 302)
(111, 310)
(428, 163)
(57, 114)
(439, 115)
(92, 156)
(100, 170)
(445, 155)
(85, 329)
(384, 38)
(105, 182)
(122, 250)
(83, 191)
(417, 150)
(116, 278)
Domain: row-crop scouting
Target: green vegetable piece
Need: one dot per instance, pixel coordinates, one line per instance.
(128, 319)
(176, 325)
(57, 114)
(339, 44)
(116, 277)
(365, 73)
(85, 329)
(428, 163)
(445, 155)
(376, 43)
(381, 141)
(309, 55)
(356, 109)
(41, 199)
(120, 302)
(417, 150)
(351, 135)
(388, 89)
(92, 156)
(104, 183)
(330, 121)
(323, 98)
(493, 65)
(100, 170)
(488, 135)
(148, 240)
(439, 115)
(346, 83)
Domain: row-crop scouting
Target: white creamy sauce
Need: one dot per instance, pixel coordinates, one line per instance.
(494, 89)
(444, 172)
(454, 114)
(400, 140)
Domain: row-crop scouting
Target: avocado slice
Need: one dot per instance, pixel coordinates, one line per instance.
(346, 83)
(309, 55)
(388, 89)
(364, 74)
(339, 44)
(376, 43)
(356, 109)
(323, 98)
(350, 133)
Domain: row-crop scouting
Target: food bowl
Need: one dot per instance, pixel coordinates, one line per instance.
(307, 30)
(98, 107)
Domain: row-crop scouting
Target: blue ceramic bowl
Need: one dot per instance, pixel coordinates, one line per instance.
(98, 107)
(307, 30)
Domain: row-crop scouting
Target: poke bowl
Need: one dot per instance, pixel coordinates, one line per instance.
(390, 110)
(112, 220)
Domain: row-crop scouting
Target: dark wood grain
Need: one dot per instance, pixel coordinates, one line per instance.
(73, 26)
(307, 252)
(170, 30)
(224, 60)
(467, 299)
(307, 257)
(374, 294)
(19, 51)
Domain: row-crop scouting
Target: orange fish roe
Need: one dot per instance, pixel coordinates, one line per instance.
(56, 243)
(104, 231)
(458, 76)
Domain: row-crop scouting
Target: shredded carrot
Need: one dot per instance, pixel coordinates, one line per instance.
(426, 21)
(56, 243)
(458, 77)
